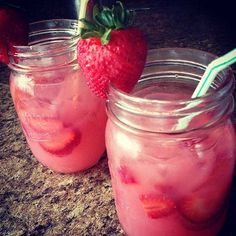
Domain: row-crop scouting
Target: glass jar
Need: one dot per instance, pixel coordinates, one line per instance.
(63, 122)
(169, 178)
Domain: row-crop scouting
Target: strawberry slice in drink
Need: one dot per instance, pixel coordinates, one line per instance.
(207, 203)
(63, 143)
(202, 206)
(59, 140)
(157, 206)
(54, 137)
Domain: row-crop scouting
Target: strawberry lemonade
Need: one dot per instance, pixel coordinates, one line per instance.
(169, 181)
(62, 120)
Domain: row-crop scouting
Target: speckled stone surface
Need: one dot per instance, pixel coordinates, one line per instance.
(37, 201)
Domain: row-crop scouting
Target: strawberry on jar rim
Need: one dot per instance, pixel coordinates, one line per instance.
(111, 51)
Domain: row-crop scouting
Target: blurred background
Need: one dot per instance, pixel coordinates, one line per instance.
(46, 9)
(182, 23)
(203, 24)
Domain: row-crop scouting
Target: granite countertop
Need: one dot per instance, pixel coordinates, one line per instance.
(37, 201)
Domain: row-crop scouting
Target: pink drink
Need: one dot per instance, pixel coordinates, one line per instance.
(64, 123)
(184, 177)
(169, 183)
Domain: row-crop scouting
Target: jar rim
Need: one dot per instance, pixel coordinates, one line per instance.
(145, 104)
(47, 39)
(207, 97)
(37, 48)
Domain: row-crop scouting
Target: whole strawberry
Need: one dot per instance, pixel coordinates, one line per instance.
(13, 30)
(110, 51)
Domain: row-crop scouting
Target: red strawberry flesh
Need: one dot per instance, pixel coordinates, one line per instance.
(157, 206)
(201, 208)
(110, 51)
(120, 62)
(63, 143)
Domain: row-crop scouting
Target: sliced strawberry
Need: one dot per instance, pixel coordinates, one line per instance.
(201, 207)
(207, 203)
(63, 143)
(157, 206)
(109, 51)
(60, 140)
(214, 222)
(126, 176)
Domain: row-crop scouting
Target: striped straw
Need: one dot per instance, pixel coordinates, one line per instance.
(209, 75)
(212, 70)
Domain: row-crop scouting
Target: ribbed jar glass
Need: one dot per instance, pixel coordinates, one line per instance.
(62, 120)
(171, 157)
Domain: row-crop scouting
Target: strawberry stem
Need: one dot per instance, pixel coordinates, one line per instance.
(106, 37)
(106, 19)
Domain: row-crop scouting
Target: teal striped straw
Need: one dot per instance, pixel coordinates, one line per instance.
(209, 75)
(212, 70)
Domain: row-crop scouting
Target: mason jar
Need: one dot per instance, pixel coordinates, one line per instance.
(172, 177)
(63, 122)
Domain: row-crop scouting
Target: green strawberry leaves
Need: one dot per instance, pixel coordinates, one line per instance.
(106, 19)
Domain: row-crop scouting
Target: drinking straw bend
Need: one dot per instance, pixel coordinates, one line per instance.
(212, 70)
(209, 75)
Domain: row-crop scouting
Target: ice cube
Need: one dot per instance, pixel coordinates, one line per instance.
(47, 92)
(25, 83)
(130, 147)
